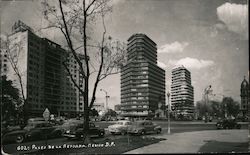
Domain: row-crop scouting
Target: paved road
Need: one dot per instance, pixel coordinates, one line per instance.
(181, 126)
(216, 141)
(176, 127)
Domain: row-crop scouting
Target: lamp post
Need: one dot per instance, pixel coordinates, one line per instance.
(106, 93)
(168, 94)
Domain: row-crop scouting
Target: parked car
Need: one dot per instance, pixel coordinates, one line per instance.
(228, 124)
(77, 131)
(33, 131)
(70, 124)
(120, 127)
(8, 128)
(144, 127)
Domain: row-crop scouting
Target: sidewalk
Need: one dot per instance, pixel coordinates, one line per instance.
(192, 142)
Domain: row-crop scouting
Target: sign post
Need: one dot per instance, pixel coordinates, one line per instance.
(46, 114)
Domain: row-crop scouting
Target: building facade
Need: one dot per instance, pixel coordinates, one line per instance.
(45, 81)
(3, 62)
(182, 93)
(142, 81)
(244, 94)
(98, 106)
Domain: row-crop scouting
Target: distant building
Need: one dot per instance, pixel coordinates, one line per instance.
(98, 107)
(45, 81)
(244, 94)
(142, 81)
(182, 93)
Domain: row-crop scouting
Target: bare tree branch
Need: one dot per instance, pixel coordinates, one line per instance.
(66, 34)
(72, 79)
(91, 3)
(101, 65)
(14, 61)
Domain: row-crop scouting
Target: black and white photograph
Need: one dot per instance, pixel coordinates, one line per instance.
(124, 77)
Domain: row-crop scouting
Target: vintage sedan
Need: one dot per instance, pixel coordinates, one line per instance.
(76, 131)
(33, 131)
(228, 124)
(120, 127)
(144, 127)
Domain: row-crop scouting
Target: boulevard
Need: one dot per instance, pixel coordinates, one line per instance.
(176, 127)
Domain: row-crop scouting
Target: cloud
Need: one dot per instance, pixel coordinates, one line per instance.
(192, 63)
(175, 47)
(161, 64)
(115, 2)
(235, 18)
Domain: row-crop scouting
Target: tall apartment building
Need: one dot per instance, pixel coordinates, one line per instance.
(182, 93)
(45, 81)
(142, 81)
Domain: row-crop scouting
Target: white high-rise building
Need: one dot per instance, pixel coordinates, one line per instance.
(182, 93)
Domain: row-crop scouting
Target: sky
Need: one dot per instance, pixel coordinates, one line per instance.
(208, 37)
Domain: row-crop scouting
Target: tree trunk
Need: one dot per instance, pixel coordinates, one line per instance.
(86, 138)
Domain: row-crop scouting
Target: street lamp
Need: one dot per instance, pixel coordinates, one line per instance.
(106, 93)
(168, 94)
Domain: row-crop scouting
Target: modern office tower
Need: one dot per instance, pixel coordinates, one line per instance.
(244, 94)
(44, 79)
(182, 93)
(142, 81)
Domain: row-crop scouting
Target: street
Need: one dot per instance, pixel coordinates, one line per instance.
(176, 127)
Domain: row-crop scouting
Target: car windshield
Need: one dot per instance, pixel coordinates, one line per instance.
(137, 123)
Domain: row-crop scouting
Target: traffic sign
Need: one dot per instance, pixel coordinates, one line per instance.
(46, 114)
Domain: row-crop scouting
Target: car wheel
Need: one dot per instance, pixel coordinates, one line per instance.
(143, 132)
(19, 139)
(158, 131)
(101, 134)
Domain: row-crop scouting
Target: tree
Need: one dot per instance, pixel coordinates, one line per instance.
(75, 19)
(227, 107)
(212, 108)
(231, 107)
(200, 108)
(10, 99)
(13, 48)
(94, 112)
(110, 113)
